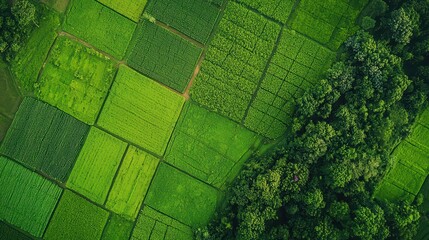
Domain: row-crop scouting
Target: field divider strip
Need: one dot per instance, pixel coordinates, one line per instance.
(106, 96)
(178, 33)
(256, 11)
(53, 212)
(39, 75)
(104, 5)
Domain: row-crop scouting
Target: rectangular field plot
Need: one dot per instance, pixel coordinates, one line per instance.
(194, 18)
(406, 177)
(44, 138)
(424, 118)
(117, 228)
(235, 61)
(163, 55)
(27, 200)
(420, 137)
(76, 79)
(207, 145)
(182, 197)
(141, 111)
(298, 64)
(76, 218)
(277, 9)
(100, 26)
(129, 8)
(328, 22)
(9, 232)
(392, 193)
(153, 225)
(132, 183)
(412, 155)
(96, 165)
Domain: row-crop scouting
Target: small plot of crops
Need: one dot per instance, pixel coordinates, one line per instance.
(27, 200)
(117, 228)
(163, 55)
(141, 111)
(182, 197)
(76, 218)
(153, 225)
(195, 18)
(235, 61)
(406, 177)
(420, 137)
(100, 26)
(76, 79)
(411, 155)
(129, 8)
(44, 138)
(277, 9)
(392, 193)
(96, 165)
(208, 146)
(297, 65)
(132, 183)
(9, 232)
(328, 22)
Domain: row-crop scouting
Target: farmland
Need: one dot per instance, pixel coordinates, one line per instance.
(129, 8)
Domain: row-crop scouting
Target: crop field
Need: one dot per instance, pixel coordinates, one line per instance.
(117, 228)
(277, 9)
(147, 123)
(409, 154)
(153, 225)
(235, 61)
(95, 168)
(44, 138)
(129, 8)
(76, 79)
(163, 55)
(195, 18)
(11, 233)
(194, 201)
(21, 191)
(392, 193)
(408, 178)
(420, 136)
(75, 213)
(100, 26)
(201, 145)
(132, 183)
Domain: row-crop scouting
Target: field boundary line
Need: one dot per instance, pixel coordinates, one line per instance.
(39, 75)
(53, 211)
(106, 96)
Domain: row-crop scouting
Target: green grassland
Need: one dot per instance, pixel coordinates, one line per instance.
(10, 97)
(409, 154)
(100, 26)
(408, 178)
(75, 79)
(195, 18)
(132, 183)
(27, 200)
(277, 9)
(419, 137)
(163, 55)
(148, 122)
(76, 218)
(44, 138)
(129, 8)
(58, 5)
(95, 168)
(207, 145)
(392, 193)
(117, 228)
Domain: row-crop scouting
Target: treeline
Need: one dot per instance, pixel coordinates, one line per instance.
(320, 185)
(17, 19)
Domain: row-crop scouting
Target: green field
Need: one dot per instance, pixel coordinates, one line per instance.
(276, 9)
(419, 137)
(44, 138)
(76, 79)
(195, 18)
(163, 55)
(22, 190)
(76, 218)
(117, 228)
(408, 178)
(58, 5)
(412, 155)
(9, 232)
(100, 26)
(132, 183)
(129, 8)
(208, 146)
(392, 193)
(194, 201)
(148, 122)
(96, 166)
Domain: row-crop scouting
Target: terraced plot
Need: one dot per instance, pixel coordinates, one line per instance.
(44, 138)
(195, 18)
(209, 146)
(141, 111)
(277, 9)
(76, 79)
(21, 191)
(100, 26)
(129, 8)
(163, 55)
(235, 61)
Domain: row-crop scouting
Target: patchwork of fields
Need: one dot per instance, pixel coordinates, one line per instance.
(138, 114)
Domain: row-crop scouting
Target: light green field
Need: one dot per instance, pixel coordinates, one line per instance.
(407, 177)
(419, 137)
(76, 79)
(95, 168)
(132, 183)
(392, 193)
(129, 8)
(147, 122)
(58, 5)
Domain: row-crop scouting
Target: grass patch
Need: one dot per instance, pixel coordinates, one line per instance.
(407, 177)
(27, 200)
(58, 5)
(44, 138)
(392, 193)
(117, 228)
(76, 79)
(5, 123)
(95, 168)
(412, 155)
(10, 97)
(76, 218)
(419, 137)
(147, 122)
(100, 26)
(182, 197)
